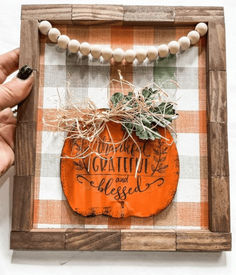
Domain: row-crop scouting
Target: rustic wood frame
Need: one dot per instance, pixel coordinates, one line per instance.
(219, 236)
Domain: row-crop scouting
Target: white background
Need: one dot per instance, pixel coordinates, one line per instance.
(36, 262)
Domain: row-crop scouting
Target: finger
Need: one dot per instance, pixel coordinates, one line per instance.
(7, 156)
(7, 126)
(14, 91)
(9, 63)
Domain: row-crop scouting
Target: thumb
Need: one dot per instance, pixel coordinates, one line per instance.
(16, 90)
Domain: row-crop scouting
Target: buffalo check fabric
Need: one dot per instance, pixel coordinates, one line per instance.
(90, 78)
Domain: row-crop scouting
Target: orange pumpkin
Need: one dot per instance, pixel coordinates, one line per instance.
(108, 185)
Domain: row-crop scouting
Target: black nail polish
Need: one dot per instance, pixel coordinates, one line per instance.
(24, 72)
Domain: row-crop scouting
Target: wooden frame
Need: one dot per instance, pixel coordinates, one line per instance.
(219, 236)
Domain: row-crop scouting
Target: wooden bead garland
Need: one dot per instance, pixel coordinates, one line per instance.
(63, 41)
(107, 54)
(152, 53)
(163, 50)
(73, 46)
(118, 54)
(44, 27)
(53, 34)
(85, 48)
(201, 28)
(130, 55)
(194, 37)
(184, 43)
(174, 47)
(96, 51)
(141, 54)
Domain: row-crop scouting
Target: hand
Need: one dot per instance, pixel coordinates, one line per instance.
(11, 93)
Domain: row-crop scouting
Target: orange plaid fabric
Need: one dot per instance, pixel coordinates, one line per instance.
(189, 209)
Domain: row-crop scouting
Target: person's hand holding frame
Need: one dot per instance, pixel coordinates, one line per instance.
(11, 93)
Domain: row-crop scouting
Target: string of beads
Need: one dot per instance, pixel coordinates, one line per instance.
(152, 52)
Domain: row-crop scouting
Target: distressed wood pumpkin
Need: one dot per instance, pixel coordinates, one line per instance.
(110, 186)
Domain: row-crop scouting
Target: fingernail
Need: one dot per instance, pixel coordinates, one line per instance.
(24, 72)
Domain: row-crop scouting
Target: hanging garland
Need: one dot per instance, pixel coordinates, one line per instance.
(152, 53)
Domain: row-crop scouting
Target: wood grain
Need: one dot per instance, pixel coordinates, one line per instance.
(29, 54)
(219, 204)
(218, 164)
(92, 240)
(148, 240)
(183, 241)
(104, 13)
(67, 12)
(22, 211)
(27, 110)
(37, 240)
(218, 170)
(217, 97)
(59, 13)
(203, 241)
(25, 147)
(197, 14)
(152, 14)
(216, 45)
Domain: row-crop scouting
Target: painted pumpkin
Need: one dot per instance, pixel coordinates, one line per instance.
(110, 186)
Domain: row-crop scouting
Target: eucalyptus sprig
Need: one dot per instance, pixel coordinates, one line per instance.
(145, 111)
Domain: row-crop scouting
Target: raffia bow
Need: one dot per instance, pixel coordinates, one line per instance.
(83, 120)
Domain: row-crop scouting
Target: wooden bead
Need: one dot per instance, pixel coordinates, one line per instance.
(130, 55)
(44, 27)
(141, 54)
(201, 28)
(63, 41)
(85, 48)
(53, 34)
(96, 51)
(118, 54)
(173, 47)
(73, 46)
(152, 53)
(163, 50)
(184, 43)
(194, 37)
(107, 54)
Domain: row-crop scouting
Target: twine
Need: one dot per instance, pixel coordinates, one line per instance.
(82, 120)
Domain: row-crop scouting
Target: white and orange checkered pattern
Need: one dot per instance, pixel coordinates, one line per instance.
(89, 78)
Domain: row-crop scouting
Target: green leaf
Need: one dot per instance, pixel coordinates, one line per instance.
(151, 135)
(116, 98)
(129, 95)
(146, 93)
(145, 120)
(147, 128)
(141, 133)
